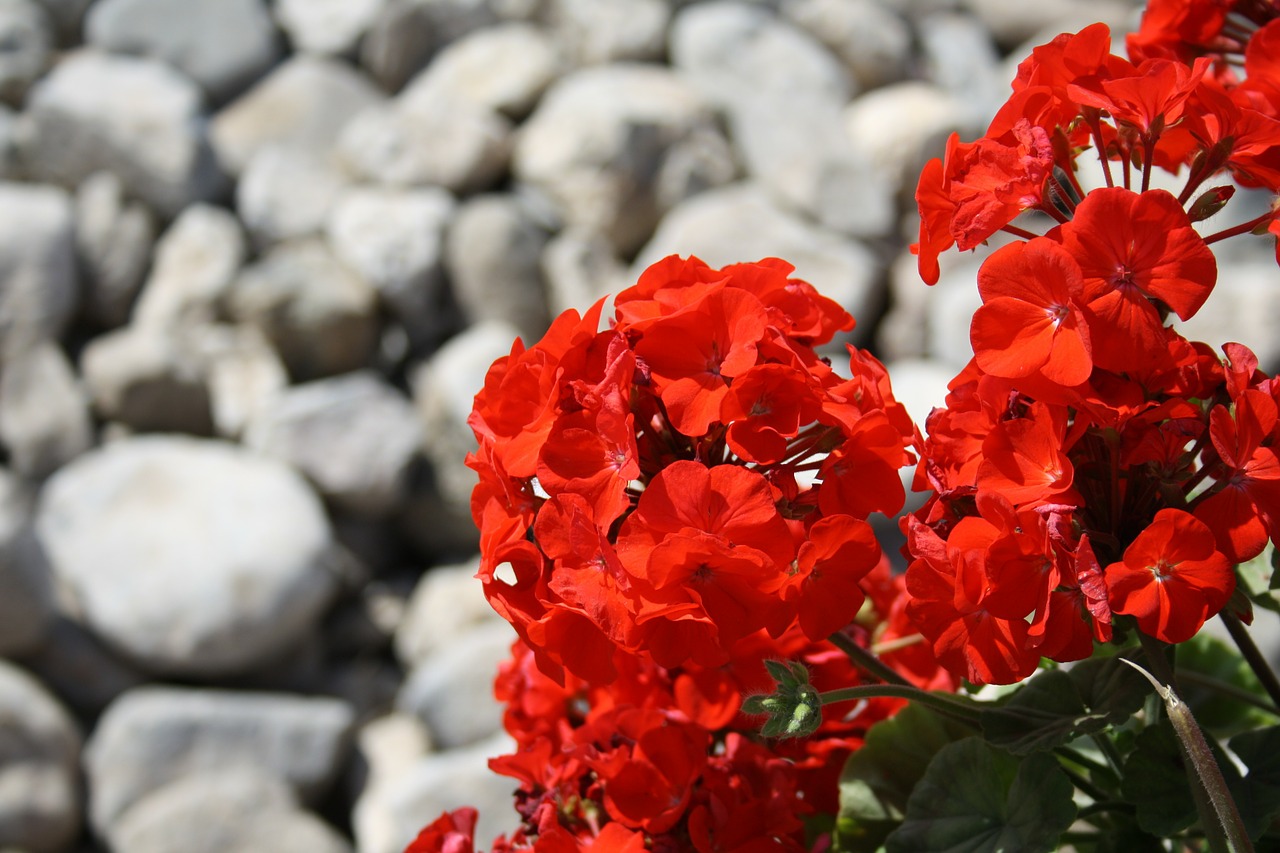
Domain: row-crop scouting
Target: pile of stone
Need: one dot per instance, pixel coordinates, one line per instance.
(255, 258)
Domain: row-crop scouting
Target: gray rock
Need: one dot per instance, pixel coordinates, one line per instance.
(783, 93)
(742, 223)
(27, 36)
(11, 130)
(285, 193)
(245, 811)
(595, 33)
(241, 371)
(39, 758)
(949, 306)
(154, 736)
(1240, 311)
(446, 603)
(579, 267)
(192, 557)
(920, 385)
(146, 378)
(1011, 22)
(223, 45)
(872, 41)
(327, 26)
(505, 68)
(38, 276)
(493, 255)
(617, 146)
(66, 16)
(85, 674)
(196, 260)
(389, 815)
(133, 116)
(444, 388)
(959, 55)
(401, 40)
(44, 413)
(26, 594)
(318, 314)
(353, 436)
(114, 238)
(435, 138)
(302, 103)
(394, 238)
(452, 690)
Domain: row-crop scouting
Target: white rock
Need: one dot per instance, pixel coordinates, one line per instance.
(389, 816)
(133, 116)
(493, 255)
(241, 372)
(1012, 22)
(114, 238)
(146, 378)
(327, 26)
(26, 595)
(741, 223)
(452, 690)
(394, 238)
(920, 385)
(872, 40)
(153, 736)
(38, 276)
(245, 811)
(353, 436)
(27, 36)
(617, 146)
(447, 602)
(39, 767)
(579, 267)
(959, 55)
(504, 68)
(192, 557)
(318, 314)
(897, 128)
(436, 138)
(596, 33)
(223, 45)
(1240, 311)
(44, 413)
(302, 103)
(285, 193)
(402, 39)
(196, 260)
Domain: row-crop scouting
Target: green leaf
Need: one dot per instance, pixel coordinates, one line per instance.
(1214, 710)
(1058, 705)
(1260, 579)
(878, 779)
(977, 799)
(1258, 794)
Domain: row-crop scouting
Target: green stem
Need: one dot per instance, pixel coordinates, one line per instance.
(1091, 790)
(1109, 751)
(1229, 690)
(1258, 663)
(866, 661)
(1103, 806)
(941, 702)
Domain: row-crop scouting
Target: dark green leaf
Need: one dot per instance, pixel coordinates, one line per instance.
(1058, 705)
(1258, 795)
(1156, 782)
(1214, 710)
(878, 778)
(977, 799)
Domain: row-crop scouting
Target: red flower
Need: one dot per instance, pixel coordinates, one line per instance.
(840, 552)
(1172, 577)
(452, 832)
(1246, 507)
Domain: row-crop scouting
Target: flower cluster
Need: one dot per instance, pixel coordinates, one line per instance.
(1090, 461)
(665, 506)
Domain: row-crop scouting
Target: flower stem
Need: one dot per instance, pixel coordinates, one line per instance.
(1252, 655)
(952, 707)
(866, 661)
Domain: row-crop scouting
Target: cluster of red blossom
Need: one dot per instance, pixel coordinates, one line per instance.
(663, 506)
(666, 504)
(1090, 461)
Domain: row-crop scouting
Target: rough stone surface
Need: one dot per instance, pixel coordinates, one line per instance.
(38, 275)
(617, 146)
(394, 238)
(241, 371)
(44, 413)
(445, 603)
(223, 45)
(579, 267)
(285, 193)
(327, 26)
(146, 378)
(195, 261)
(39, 756)
(27, 36)
(190, 556)
(595, 33)
(493, 254)
(504, 68)
(450, 690)
(317, 313)
(153, 736)
(353, 436)
(245, 811)
(302, 103)
(133, 116)
(84, 673)
(114, 239)
(870, 37)
(899, 127)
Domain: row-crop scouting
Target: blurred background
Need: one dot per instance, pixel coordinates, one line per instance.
(255, 259)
